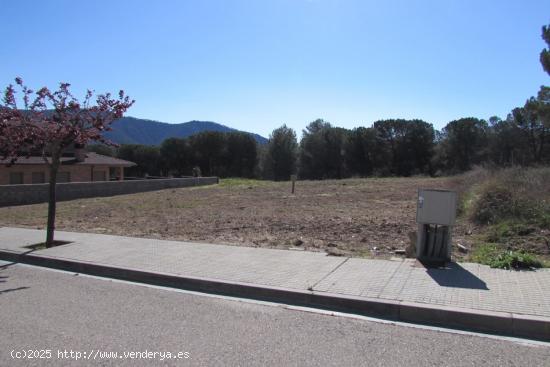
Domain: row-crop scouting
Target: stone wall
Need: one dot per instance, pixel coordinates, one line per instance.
(11, 195)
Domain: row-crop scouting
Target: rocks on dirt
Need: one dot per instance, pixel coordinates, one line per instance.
(332, 251)
(296, 249)
(297, 243)
(462, 248)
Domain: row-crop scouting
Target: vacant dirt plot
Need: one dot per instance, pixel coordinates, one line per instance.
(357, 217)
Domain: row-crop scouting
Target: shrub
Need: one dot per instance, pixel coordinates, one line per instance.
(515, 260)
(494, 204)
(516, 194)
(496, 257)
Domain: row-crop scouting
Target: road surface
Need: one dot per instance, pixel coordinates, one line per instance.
(66, 319)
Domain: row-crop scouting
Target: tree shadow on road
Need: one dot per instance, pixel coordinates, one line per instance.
(4, 278)
(2, 291)
(8, 263)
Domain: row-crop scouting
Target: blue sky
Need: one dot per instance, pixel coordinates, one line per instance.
(255, 65)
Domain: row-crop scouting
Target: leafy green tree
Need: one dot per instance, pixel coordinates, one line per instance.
(507, 143)
(313, 150)
(322, 151)
(390, 132)
(281, 154)
(523, 137)
(335, 159)
(102, 149)
(208, 149)
(176, 156)
(146, 157)
(465, 143)
(361, 151)
(241, 154)
(440, 160)
(545, 53)
(417, 148)
(409, 143)
(533, 119)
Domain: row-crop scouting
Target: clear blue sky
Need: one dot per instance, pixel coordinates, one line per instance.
(255, 64)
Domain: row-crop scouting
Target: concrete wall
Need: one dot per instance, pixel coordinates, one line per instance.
(11, 195)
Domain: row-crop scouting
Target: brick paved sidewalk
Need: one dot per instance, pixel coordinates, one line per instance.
(463, 285)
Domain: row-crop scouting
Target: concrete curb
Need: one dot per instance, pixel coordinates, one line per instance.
(518, 325)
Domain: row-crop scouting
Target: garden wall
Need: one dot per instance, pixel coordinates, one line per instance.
(11, 195)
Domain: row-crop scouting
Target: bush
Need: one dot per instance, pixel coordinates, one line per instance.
(494, 204)
(496, 257)
(515, 260)
(516, 194)
(512, 208)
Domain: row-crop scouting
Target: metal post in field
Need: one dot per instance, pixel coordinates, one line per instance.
(293, 179)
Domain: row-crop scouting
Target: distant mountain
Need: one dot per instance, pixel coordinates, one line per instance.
(131, 130)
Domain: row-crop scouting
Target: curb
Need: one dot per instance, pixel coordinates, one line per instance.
(494, 322)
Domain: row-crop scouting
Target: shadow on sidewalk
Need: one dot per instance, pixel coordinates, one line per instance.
(454, 275)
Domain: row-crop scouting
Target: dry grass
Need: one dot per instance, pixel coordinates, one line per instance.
(511, 209)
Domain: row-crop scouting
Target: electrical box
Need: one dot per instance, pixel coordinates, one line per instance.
(436, 207)
(435, 215)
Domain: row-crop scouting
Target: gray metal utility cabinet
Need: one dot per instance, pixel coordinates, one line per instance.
(435, 215)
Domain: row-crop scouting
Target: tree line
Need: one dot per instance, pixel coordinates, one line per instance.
(394, 147)
(209, 153)
(401, 147)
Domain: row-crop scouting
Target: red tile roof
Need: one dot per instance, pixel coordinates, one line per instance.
(92, 159)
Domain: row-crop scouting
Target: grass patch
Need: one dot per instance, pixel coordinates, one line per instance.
(497, 257)
(543, 220)
(505, 230)
(364, 253)
(467, 202)
(241, 182)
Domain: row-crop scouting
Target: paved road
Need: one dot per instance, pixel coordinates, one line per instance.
(44, 309)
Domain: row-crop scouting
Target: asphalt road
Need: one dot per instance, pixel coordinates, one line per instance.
(43, 310)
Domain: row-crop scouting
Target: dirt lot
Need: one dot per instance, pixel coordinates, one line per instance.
(357, 217)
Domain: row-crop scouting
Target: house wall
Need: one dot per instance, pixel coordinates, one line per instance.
(78, 173)
(11, 195)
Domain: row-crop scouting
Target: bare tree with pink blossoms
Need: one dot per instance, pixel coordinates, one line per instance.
(50, 122)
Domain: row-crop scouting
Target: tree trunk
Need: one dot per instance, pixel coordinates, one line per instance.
(52, 202)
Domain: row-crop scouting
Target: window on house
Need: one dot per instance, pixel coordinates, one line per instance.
(63, 177)
(99, 176)
(38, 177)
(16, 178)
